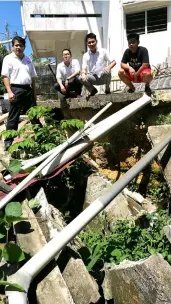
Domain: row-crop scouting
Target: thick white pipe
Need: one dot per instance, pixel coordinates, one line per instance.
(74, 137)
(51, 249)
(109, 123)
(58, 150)
(103, 127)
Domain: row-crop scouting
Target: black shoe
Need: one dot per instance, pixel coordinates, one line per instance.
(148, 91)
(130, 90)
(7, 145)
(107, 92)
(93, 92)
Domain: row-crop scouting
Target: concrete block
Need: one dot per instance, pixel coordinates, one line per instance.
(147, 281)
(155, 135)
(97, 184)
(52, 289)
(81, 284)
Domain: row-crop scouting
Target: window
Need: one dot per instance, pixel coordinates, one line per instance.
(147, 22)
(157, 20)
(135, 23)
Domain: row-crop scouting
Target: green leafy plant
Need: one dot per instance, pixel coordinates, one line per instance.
(10, 251)
(13, 167)
(36, 139)
(129, 240)
(3, 53)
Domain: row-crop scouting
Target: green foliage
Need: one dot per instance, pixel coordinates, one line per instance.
(72, 123)
(37, 139)
(12, 253)
(33, 203)
(3, 53)
(13, 209)
(13, 167)
(164, 119)
(129, 240)
(39, 62)
(11, 286)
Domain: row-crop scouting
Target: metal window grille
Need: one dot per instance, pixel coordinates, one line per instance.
(157, 20)
(135, 23)
(147, 22)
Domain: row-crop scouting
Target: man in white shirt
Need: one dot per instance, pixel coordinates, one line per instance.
(96, 66)
(67, 76)
(18, 75)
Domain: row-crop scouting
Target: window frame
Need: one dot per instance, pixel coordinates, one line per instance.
(146, 21)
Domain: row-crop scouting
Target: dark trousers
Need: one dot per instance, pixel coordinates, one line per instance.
(74, 87)
(23, 102)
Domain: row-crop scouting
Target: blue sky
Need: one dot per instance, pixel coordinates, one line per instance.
(10, 12)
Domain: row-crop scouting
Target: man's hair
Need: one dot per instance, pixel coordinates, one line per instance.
(133, 36)
(67, 50)
(90, 35)
(19, 39)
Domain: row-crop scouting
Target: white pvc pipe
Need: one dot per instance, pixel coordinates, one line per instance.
(74, 137)
(51, 249)
(54, 152)
(119, 117)
(103, 127)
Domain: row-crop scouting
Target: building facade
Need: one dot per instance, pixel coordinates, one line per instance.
(56, 24)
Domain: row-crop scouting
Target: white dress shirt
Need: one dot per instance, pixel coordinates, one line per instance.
(18, 71)
(95, 63)
(64, 71)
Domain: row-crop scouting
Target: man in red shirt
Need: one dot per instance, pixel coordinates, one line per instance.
(135, 66)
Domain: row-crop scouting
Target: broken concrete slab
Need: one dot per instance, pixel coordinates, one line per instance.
(52, 288)
(167, 231)
(137, 203)
(147, 281)
(163, 97)
(81, 284)
(155, 135)
(97, 184)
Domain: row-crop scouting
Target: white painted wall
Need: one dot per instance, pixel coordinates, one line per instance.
(156, 43)
(110, 29)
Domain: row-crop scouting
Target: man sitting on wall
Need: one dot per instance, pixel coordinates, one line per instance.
(135, 65)
(96, 66)
(68, 70)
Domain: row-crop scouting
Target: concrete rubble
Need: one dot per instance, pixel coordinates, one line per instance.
(167, 231)
(147, 281)
(155, 135)
(124, 206)
(31, 240)
(84, 291)
(82, 286)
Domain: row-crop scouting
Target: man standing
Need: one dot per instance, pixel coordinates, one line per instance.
(19, 75)
(135, 65)
(96, 67)
(67, 76)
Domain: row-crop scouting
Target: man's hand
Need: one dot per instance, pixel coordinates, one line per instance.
(11, 97)
(107, 69)
(63, 90)
(131, 71)
(136, 74)
(66, 83)
(84, 77)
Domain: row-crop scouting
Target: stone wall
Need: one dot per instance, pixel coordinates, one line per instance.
(45, 82)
